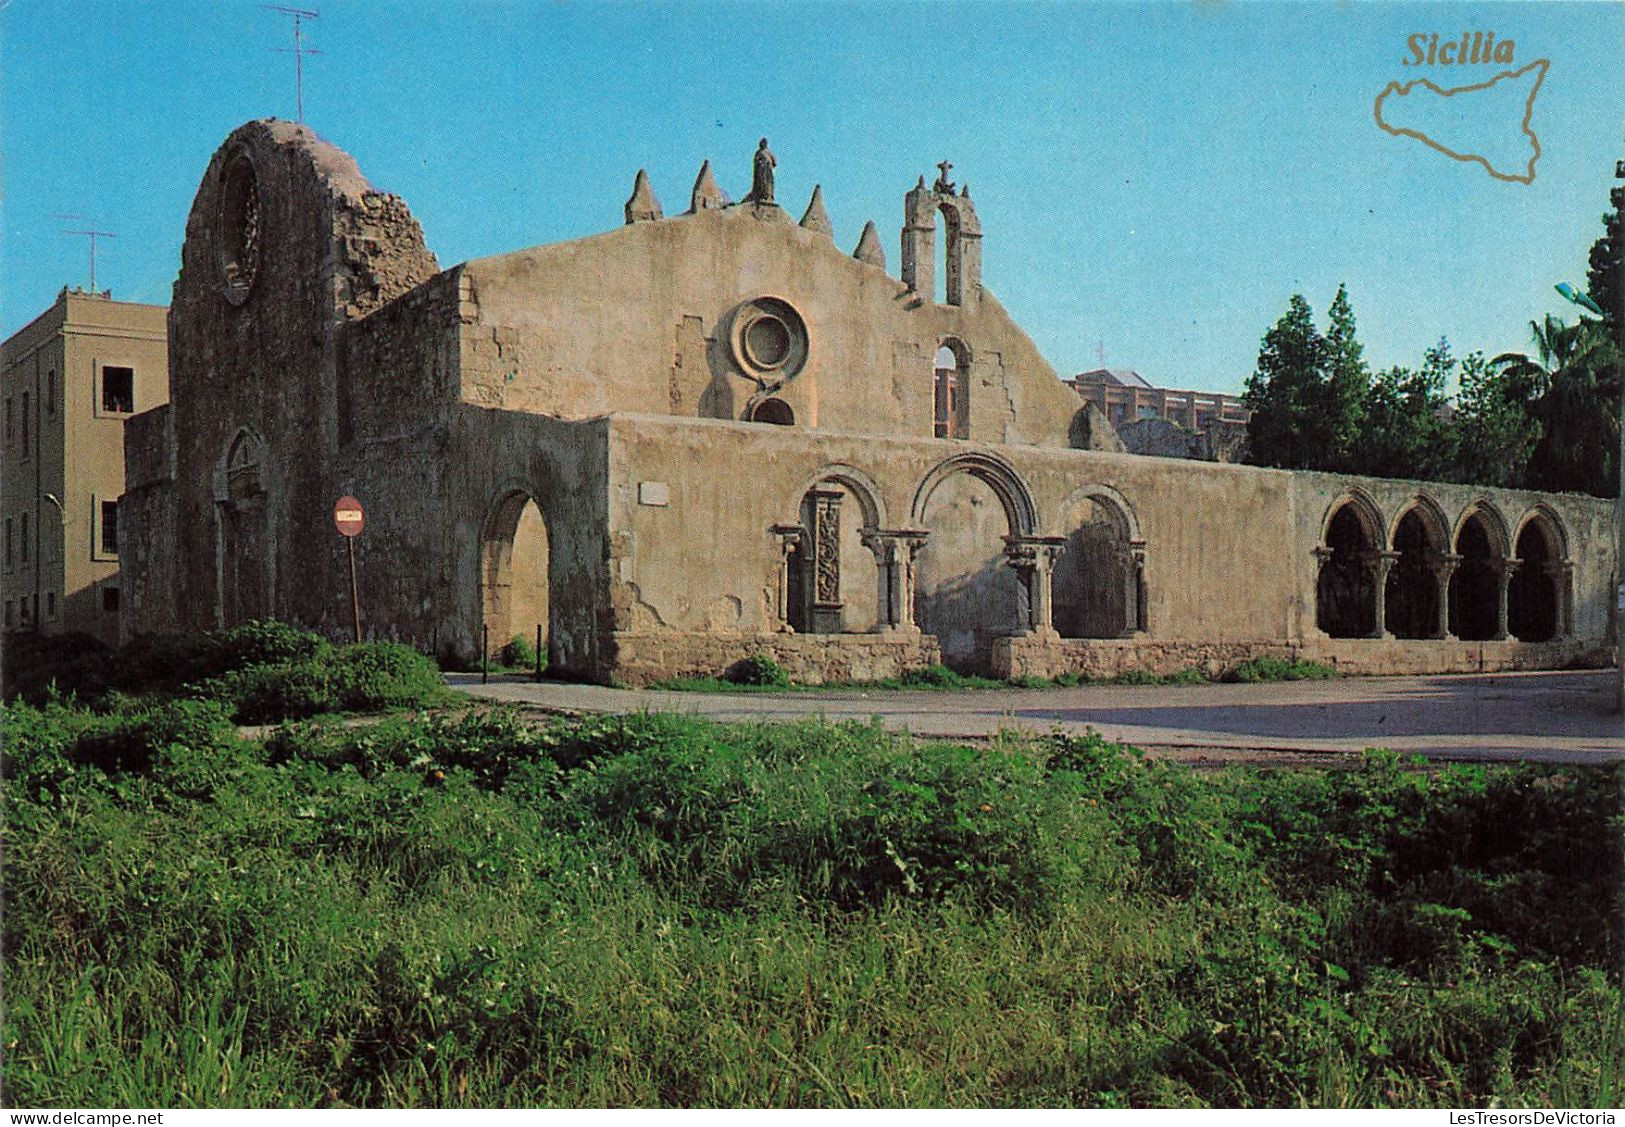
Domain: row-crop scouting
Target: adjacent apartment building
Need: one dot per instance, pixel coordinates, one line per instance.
(71, 378)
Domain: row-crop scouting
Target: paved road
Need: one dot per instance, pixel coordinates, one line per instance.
(1549, 717)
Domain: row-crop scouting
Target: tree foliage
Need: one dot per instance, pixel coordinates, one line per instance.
(1307, 392)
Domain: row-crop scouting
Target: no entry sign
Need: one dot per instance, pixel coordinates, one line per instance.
(348, 517)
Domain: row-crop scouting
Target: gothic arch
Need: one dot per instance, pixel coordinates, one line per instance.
(1477, 566)
(1430, 513)
(1414, 599)
(1551, 526)
(828, 549)
(1352, 536)
(1494, 524)
(1365, 510)
(1020, 511)
(861, 485)
(1539, 591)
(244, 555)
(517, 571)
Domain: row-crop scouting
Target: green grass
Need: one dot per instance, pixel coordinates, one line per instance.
(659, 911)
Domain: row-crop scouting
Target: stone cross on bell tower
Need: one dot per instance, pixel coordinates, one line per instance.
(963, 273)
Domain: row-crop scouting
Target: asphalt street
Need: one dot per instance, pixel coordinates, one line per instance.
(1547, 717)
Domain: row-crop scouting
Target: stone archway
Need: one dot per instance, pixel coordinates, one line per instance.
(1099, 587)
(1413, 596)
(832, 577)
(516, 575)
(1538, 590)
(982, 572)
(1350, 553)
(243, 551)
(1478, 579)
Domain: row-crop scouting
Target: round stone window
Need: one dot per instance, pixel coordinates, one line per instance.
(769, 339)
(238, 235)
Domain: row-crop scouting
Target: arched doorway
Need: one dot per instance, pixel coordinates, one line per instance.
(1535, 592)
(1475, 588)
(1412, 591)
(244, 556)
(968, 591)
(833, 577)
(516, 569)
(1346, 588)
(1098, 584)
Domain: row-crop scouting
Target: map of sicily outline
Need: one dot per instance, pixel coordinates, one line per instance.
(1485, 121)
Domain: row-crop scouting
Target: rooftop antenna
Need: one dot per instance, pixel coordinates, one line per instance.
(1100, 351)
(94, 235)
(298, 51)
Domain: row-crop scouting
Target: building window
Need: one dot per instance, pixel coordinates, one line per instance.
(118, 390)
(25, 537)
(25, 424)
(110, 600)
(50, 393)
(951, 419)
(109, 531)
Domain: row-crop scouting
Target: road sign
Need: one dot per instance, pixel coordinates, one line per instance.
(348, 516)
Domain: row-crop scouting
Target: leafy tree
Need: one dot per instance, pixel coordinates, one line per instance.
(1307, 392)
(1494, 429)
(1573, 380)
(1606, 276)
(1407, 427)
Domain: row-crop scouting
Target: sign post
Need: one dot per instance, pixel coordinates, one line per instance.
(350, 519)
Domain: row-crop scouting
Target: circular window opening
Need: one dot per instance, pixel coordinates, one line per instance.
(774, 411)
(239, 229)
(767, 342)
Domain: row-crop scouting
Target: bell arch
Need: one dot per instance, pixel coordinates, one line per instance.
(518, 572)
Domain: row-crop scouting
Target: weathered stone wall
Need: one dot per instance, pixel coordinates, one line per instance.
(147, 511)
(285, 242)
(637, 320)
(809, 659)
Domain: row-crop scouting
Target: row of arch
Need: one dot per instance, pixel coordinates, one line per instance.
(1423, 576)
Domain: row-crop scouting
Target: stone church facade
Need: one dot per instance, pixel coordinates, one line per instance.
(712, 435)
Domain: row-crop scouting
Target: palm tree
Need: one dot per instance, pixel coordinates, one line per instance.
(1571, 385)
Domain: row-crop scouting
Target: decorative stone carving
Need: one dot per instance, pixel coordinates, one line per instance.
(895, 551)
(706, 196)
(1033, 560)
(642, 207)
(761, 180)
(791, 538)
(869, 250)
(943, 184)
(816, 218)
(240, 234)
(769, 340)
(823, 513)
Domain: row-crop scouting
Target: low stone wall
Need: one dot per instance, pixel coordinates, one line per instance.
(1375, 656)
(1050, 656)
(809, 659)
(1036, 655)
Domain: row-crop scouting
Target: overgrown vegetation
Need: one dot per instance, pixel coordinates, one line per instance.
(654, 910)
(259, 672)
(747, 677)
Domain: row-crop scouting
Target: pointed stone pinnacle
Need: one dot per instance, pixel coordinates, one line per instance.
(869, 250)
(817, 219)
(642, 207)
(706, 195)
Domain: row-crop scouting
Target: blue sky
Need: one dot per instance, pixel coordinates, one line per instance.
(1153, 179)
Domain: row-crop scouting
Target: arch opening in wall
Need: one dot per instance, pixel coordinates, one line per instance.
(951, 390)
(517, 576)
(947, 256)
(1412, 594)
(1475, 588)
(966, 593)
(834, 576)
(1535, 590)
(1098, 584)
(243, 560)
(774, 412)
(1345, 589)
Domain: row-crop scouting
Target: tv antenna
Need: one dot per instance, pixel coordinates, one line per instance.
(1100, 351)
(298, 51)
(93, 235)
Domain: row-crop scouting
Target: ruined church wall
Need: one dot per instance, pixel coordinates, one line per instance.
(637, 321)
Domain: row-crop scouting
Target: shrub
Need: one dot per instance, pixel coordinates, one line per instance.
(378, 676)
(518, 654)
(1279, 669)
(758, 670)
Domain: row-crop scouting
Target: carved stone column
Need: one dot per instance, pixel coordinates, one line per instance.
(790, 537)
(1443, 568)
(894, 551)
(1136, 598)
(1033, 558)
(1562, 576)
(825, 580)
(1379, 564)
(1503, 580)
